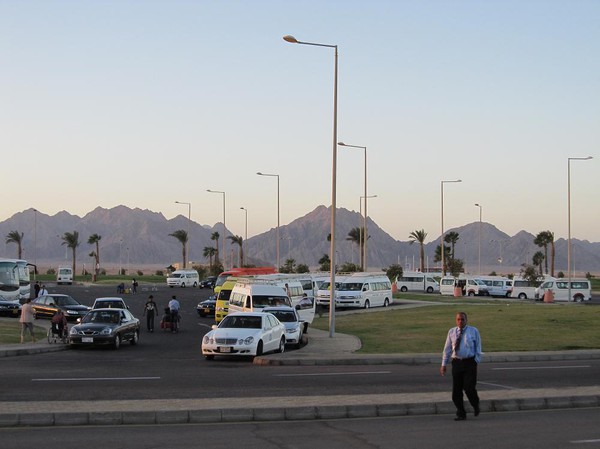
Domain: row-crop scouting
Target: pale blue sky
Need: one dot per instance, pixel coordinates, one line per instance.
(144, 103)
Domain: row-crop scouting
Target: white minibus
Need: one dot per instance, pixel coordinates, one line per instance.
(183, 278)
(417, 282)
(524, 289)
(64, 275)
(469, 286)
(364, 290)
(581, 289)
(497, 285)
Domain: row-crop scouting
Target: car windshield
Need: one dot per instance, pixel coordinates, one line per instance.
(102, 316)
(65, 301)
(286, 316)
(243, 322)
(109, 304)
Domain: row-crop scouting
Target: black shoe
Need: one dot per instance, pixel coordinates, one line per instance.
(460, 418)
(476, 411)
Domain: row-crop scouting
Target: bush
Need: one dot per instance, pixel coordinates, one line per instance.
(51, 271)
(159, 273)
(140, 273)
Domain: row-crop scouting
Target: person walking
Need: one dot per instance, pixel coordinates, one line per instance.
(150, 311)
(26, 319)
(463, 350)
(174, 309)
(134, 286)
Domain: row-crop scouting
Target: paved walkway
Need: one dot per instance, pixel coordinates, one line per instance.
(320, 350)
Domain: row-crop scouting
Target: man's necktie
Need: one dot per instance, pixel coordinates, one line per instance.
(457, 341)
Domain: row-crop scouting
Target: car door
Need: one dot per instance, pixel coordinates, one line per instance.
(270, 343)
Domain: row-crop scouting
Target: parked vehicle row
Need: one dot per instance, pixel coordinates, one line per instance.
(357, 290)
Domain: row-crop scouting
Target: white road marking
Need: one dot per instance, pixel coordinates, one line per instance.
(540, 367)
(585, 441)
(78, 379)
(496, 385)
(333, 374)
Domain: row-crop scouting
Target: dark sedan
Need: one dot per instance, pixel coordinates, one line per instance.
(10, 308)
(207, 307)
(47, 305)
(209, 282)
(106, 327)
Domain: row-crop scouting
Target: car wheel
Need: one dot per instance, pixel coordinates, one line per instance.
(135, 339)
(281, 349)
(403, 288)
(259, 348)
(183, 285)
(578, 298)
(367, 304)
(386, 302)
(117, 343)
(429, 289)
(209, 357)
(522, 296)
(471, 293)
(195, 284)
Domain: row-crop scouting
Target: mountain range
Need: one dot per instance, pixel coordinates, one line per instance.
(139, 239)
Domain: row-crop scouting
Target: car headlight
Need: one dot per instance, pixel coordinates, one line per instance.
(71, 312)
(246, 341)
(73, 331)
(293, 330)
(106, 331)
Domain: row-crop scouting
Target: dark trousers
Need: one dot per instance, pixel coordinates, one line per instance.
(464, 377)
(150, 320)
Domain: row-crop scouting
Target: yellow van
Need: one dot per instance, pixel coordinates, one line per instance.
(222, 304)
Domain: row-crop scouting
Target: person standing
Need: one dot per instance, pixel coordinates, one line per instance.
(36, 288)
(43, 291)
(150, 312)
(134, 286)
(174, 309)
(463, 350)
(26, 319)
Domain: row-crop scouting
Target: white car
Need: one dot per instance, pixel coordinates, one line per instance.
(110, 303)
(293, 326)
(245, 334)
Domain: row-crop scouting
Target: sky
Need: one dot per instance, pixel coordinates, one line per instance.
(145, 103)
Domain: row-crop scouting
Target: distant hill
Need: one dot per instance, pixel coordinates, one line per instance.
(140, 238)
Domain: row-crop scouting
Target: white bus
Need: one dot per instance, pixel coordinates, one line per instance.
(417, 282)
(10, 289)
(497, 285)
(524, 289)
(581, 289)
(364, 290)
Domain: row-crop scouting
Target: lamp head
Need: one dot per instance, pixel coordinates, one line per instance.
(259, 173)
(290, 39)
(342, 144)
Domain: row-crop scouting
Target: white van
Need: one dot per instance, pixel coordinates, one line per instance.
(497, 285)
(581, 289)
(416, 281)
(468, 284)
(364, 290)
(183, 278)
(64, 275)
(524, 289)
(251, 295)
(324, 290)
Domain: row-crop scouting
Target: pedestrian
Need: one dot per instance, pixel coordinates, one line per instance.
(463, 350)
(150, 312)
(59, 323)
(43, 291)
(174, 309)
(26, 319)
(37, 287)
(134, 286)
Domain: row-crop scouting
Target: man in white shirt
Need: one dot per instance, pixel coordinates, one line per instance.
(174, 309)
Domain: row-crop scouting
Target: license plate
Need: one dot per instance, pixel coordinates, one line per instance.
(206, 310)
(225, 349)
(87, 340)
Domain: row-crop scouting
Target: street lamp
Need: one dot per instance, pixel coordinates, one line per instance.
(342, 144)
(188, 231)
(442, 245)
(569, 213)
(224, 227)
(480, 210)
(35, 211)
(246, 232)
(293, 40)
(365, 227)
(277, 235)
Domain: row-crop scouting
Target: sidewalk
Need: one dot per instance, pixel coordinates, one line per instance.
(320, 350)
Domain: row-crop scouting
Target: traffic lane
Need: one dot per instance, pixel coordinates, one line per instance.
(147, 372)
(550, 429)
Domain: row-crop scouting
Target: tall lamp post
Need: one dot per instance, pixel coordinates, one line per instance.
(365, 227)
(480, 210)
(224, 227)
(332, 253)
(364, 248)
(442, 237)
(187, 252)
(277, 234)
(569, 213)
(35, 211)
(246, 232)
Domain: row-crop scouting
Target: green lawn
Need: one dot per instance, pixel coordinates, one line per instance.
(503, 326)
(10, 332)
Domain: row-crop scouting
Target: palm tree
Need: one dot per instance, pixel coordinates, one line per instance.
(15, 237)
(209, 253)
(452, 238)
(182, 236)
(239, 241)
(324, 263)
(72, 241)
(356, 235)
(95, 240)
(419, 236)
(543, 239)
(215, 236)
(538, 259)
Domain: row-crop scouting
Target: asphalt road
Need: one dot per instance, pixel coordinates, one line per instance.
(551, 429)
(166, 365)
